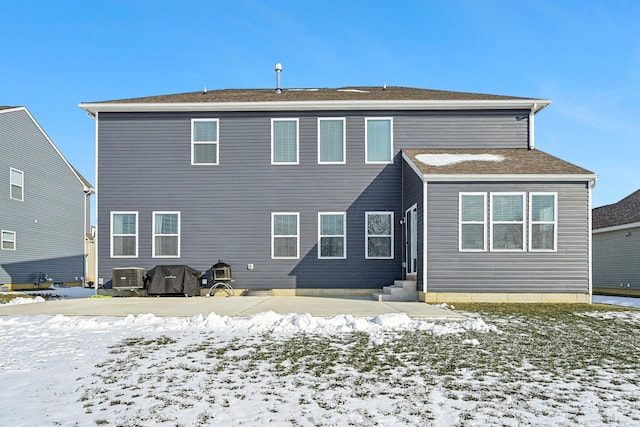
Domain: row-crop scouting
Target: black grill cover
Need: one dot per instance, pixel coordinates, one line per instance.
(173, 279)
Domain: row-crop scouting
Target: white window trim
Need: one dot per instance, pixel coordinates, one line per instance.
(2, 240)
(343, 236)
(116, 235)
(367, 235)
(483, 222)
(523, 222)
(216, 142)
(154, 235)
(297, 161)
(344, 140)
(11, 184)
(366, 140)
(297, 235)
(554, 222)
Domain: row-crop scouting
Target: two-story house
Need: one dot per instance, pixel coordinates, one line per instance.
(342, 191)
(44, 208)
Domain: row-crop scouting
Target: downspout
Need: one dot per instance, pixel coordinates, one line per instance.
(590, 188)
(532, 113)
(424, 239)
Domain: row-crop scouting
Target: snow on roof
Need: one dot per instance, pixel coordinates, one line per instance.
(452, 159)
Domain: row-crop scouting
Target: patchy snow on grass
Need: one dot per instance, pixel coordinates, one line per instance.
(452, 159)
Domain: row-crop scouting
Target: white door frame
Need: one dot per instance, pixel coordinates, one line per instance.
(411, 239)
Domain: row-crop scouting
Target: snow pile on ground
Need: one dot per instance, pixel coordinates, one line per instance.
(24, 300)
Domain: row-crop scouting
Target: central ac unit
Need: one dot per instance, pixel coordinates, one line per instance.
(128, 278)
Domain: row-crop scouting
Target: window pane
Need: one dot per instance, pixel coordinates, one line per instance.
(472, 236)
(205, 153)
(16, 192)
(8, 240)
(166, 246)
(379, 140)
(284, 141)
(285, 247)
(543, 207)
(379, 247)
(124, 224)
(331, 141)
(285, 225)
(507, 207)
(16, 177)
(507, 236)
(332, 247)
(472, 208)
(542, 236)
(379, 224)
(205, 131)
(332, 224)
(166, 224)
(124, 245)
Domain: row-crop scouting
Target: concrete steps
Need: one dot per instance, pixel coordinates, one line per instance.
(401, 290)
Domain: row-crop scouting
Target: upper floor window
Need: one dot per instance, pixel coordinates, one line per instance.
(16, 191)
(507, 221)
(204, 141)
(332, 235)
(543, 221)
(379, 140)
(284, 141)
(473, 222)
(331, 141)
(379, 235)
(285, 235)
(166, 235)
(8, 240)
(124, 234)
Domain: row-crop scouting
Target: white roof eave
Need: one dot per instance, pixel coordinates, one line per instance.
(509, 177)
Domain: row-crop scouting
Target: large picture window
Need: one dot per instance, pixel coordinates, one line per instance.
(284, 141)
(542, 221)
(7, 240)
(204, 142)
(16, 192)
(124, 234)
(166, 234)
(379, 140)
(331, 141)
(507, 221)
(473, 222)
(379, 235)
(332, 235)
(285, 235)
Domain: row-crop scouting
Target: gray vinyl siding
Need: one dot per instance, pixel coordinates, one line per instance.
(412, 194)
(616, 259)
(49, 223)
(566, 270)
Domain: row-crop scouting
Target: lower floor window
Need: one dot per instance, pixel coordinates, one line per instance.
(285, 235)
(166, 234)
(379, 240)
(332, 235)
(8, 240)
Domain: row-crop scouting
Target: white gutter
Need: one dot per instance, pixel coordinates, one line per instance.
(507, 177)
(617, 228)
(516, 104)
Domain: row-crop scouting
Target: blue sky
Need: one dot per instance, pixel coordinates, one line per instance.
(583, 55)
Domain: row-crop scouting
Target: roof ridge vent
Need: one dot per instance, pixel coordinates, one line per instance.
(278, 72)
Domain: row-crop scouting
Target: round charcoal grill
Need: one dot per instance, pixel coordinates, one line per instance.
(222, 278)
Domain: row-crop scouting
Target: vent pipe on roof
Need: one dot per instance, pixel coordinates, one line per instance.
(278, 72)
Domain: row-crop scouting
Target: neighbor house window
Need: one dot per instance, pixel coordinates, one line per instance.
(332, 235)
(204, 142)
(285, 235)
(542, 221)
(507, 221)
(16, 191)
(473, 222)
(124, 234)
(8, 240)
(284, 141)
(166, 234)
(379, 235)
(331, 145)
(379, 140)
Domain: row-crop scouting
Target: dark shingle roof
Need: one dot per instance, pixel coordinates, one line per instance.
(516, 161)
(363, 93)
(6, 107)
(626, 211)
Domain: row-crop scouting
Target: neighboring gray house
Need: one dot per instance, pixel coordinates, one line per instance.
(324, 192)
(44, 207)
(616, 247)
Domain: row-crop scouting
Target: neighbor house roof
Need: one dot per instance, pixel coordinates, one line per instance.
(626, 211)
(492, 165)
(361, 97)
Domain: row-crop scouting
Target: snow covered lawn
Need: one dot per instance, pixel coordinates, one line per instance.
(504, 365)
